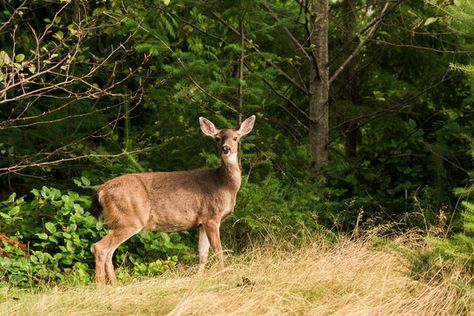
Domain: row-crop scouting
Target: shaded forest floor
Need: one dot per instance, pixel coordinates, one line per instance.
(347, 277)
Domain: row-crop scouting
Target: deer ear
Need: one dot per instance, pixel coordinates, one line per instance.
(246, 126)
(207, 127)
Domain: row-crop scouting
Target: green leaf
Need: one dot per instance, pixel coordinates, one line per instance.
(5, 216)
(70, 246)
(12, 197)
(19, 58)
(85, 181)
(78, 209)
(53, 239)
(42, 236)
(59, 35)
(15, 210)
(4, 58)
(50, 227)
(32, 68)
(430, 20)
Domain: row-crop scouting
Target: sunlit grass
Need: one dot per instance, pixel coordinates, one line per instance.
(320, 278)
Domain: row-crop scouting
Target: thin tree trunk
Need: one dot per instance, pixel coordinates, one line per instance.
(241, 69)
(319, 85)
(241, 79)
(350, 127)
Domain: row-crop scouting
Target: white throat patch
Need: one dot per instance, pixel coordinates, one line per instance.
(232, 159)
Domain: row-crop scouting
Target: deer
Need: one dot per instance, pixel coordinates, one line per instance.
(171, 201)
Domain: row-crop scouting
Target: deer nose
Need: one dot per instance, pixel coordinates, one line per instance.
(225, 149)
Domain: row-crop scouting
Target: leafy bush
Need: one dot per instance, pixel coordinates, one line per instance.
(58, 234)
(280, 208)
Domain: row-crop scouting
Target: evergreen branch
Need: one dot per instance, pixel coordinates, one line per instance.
(461, 68)
(281, 95)
(258, 51)
(249, 68)
(185, 68)
(426, 48)
(287, 31)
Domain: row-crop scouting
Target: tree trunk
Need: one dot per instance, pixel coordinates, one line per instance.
(350, 127)
(319, 85)
(241, 70)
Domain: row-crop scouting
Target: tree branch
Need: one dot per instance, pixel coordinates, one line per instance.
(361, 44)
(287, 31)
(255, 48)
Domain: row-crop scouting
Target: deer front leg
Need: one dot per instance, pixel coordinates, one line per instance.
(212, 232)
(203, 249)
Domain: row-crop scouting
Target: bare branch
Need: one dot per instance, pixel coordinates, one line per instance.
(45, 161)
(18, 167)
(52, 69)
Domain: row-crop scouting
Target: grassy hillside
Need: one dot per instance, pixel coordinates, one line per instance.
(320, 278)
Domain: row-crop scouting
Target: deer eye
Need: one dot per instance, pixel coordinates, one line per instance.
(218, 139)
(235, 139)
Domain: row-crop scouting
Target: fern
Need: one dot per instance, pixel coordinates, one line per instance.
(462, 68)
(461, 15)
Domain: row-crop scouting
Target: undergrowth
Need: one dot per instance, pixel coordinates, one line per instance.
(363, 276)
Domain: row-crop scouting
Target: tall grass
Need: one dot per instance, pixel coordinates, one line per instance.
(320, 278)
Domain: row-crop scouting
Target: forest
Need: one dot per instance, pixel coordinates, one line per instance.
(363, 140)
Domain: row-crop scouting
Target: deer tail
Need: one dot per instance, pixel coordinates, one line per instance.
(96, 208)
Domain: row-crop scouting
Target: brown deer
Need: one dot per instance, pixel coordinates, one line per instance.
(172, 201)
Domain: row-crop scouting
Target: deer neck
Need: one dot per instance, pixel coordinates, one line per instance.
(230, 171)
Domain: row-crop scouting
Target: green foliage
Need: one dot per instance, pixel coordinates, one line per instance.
(461, 245)
(57, 233)
(285, 208)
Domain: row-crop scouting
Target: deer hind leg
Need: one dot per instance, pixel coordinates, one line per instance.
(104, 251)
(101, 250)
(212, 232)
(203, 249)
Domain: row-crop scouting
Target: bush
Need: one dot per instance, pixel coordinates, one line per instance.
(281, 208)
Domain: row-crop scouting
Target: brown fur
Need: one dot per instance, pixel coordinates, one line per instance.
(172, 201)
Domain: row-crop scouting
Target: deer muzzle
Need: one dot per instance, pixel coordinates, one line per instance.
(225, 149)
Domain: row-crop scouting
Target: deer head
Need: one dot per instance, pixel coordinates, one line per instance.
(227, 140)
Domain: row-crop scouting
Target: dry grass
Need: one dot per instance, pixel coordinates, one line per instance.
(345, 278)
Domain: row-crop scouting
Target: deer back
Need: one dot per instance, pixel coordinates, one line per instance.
(167, 201)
